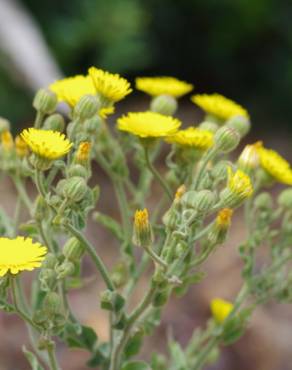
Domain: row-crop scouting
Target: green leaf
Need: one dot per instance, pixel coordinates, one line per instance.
(80, 337)
(136, 365)
(134, 344)
(177, 355)
(32, 359)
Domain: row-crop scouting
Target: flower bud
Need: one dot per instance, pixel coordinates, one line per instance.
(201, 201)
(73, 250)
(226, 139)
(209, 126)
(52, 303)
(240, 124)
(21, 147)
(142, 234)
(220, 309)
(180, 192)
(41, 209)
(83, 153)
(285, 198)
(93, 124)
(50, 261)
(77, 170)
(219, 171)
(7, 141)
(47, 278)
(164, 104)
(75, 189)
(219, 230)
(112, 301)
(64, 270)
(87, 107)
(4, 125)
(249, 159)
(45, 101)
(54, 122)
(160, 298)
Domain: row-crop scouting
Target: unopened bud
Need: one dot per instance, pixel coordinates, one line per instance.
(239, 123)
(249, 159)
(200, 201)
(164, 104)
(87, 107)
(64, 270)
(83, 152)
(142, 234)
(52, 303)
(45, 101)
(21, 147)
(226, 139)
(73, 250)
(77, 170)
(209, 126)
(285, 198)
(54, 122)
(219, 230)
(7, 141)
(180, 192)
(112, 301)
(75, 189)
(50, 261)
(4, 125)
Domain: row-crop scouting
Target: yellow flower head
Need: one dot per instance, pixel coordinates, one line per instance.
(239, 183)
(110, 86)
(219, 106)
(142, 234)
(20, 254)
(106, 111)
(220, 309)
(7, 140)
(275, 165)
(71, 89)
(223, 219)
(83, 151)
(249, 158)
(193, 137)
(149, 124)
(155, 86)
(180, 192)
(47, 144)
(141, 219)
(21, 147)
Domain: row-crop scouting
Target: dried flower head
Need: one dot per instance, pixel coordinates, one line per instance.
(20, 254)
(156, 86)
(148, 124)
(219, 106)
(47, 144)
(110, 86)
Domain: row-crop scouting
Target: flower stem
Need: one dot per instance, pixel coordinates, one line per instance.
(39, 119)
(156, 174)
(22, 193)
(203, 164)
(52, 358)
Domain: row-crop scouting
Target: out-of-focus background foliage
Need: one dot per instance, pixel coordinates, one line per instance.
(240, 48)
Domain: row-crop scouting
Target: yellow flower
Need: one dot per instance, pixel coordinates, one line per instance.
(219, 106)
(142, 235)
(239, 183)
(71, 89)
(249, 159)
(193, 137)
(21, 147)
(83, 151)
(180, 192)
(7, 140)
(110, 86)
(20, 254)
(223, 219)
(155, 86)
(149, 124)
(220, 309)
(46, 143)
(275, 165)
(106, 111)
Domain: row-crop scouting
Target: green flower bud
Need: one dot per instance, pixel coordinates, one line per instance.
(285, 198)
(249, 159)
(41, 209)
(52, 303)
(112, 301)
(75, 189)
(40, 163)
(142, 234)
(87, 107)
(47, 278)
(64, 270)
(240, 124)
(200, 201)
(73, 250)
(93, 124)
(160, 298)
(209, 126)
(50, 261)
(226, 139)
(77, 170)
(45, 101)
(164, 104)
(4, 125)
(170, 219)
(263, 201)
(54, 122)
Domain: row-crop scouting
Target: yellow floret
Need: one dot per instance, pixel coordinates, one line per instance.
(155, 86)
(219, 106)
(193, 137)
(239, 183)
(149, 124)
(46, 143)
(221, 309)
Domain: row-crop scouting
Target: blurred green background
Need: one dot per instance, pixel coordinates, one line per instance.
(240, 48)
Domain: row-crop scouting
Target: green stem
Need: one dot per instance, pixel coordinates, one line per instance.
(203, 164)
(52, 358)
(156, 258)
(156, 174)
(91, 251)
(39, 119)
(40, 183)
(22, 193)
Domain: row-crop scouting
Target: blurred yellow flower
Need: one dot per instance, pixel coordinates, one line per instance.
(106, 111)
(7, 140)
(71, 89)
(149, 124)
(83, 151)
(239, 183)
(193, 137)
(21, 147)
(275, 165)
(110, 86)
(220, 309)
(20, 254)
(155, 86)
(219, 106)
(223, 219)
(46, 143)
